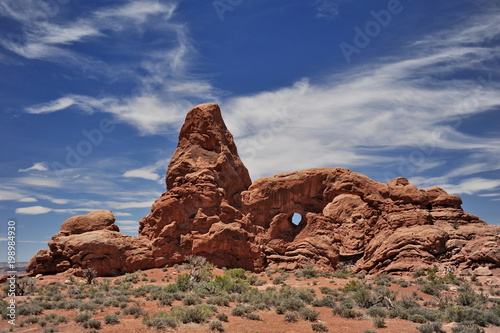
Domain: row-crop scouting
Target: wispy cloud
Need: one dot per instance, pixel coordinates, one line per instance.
(44, 40)
(39, 166)
(150, 172)
(472, 186)
(327, 8)
(356, 117)
(164, 85)
(128, 225)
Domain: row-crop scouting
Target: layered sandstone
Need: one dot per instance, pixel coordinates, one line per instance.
(212, 209)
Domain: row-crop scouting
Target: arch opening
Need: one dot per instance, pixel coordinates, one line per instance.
(296, 218)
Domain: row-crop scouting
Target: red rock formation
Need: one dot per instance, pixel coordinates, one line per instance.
(92, 240)
(212, 209)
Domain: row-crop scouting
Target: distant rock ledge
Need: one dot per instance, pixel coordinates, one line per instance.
(212, 209)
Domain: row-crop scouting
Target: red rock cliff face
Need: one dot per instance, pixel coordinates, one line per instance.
(212, 209)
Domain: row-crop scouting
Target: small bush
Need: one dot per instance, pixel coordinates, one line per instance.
(433, 289)
(328, 291)
(279, 279)
(377, 311)
(50, 329)
(88, 306)
(317, 327)
(29, 309)
(111, 319)
(328, 302)
(431, 328)
(222, 317)
(346, 312)
(464, 329)
(197, 314)
(309, 314)
(417, 319)
(83, 316)
(55, 319)
(192, 300)
(134, 310)
(383, 280)
(219, 300)
(92, 323)
(309, 272)
(291, 317)
(253, 316)
(216, 325)
(89, 274)
(161, 321)
(378, 322)
(241, 310)
(292, 304)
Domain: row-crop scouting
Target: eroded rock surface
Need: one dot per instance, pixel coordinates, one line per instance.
(212, 209)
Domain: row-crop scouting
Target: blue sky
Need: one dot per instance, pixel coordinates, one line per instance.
(93, 93)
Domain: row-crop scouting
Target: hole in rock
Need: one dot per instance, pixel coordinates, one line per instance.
(296, 218)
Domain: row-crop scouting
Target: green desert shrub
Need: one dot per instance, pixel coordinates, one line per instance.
(291, 317)
(216, 325)
(92, 323)
(161, 321)
(82, 316)
(200, 313)
(308, 271)
(241, 310)
(463, 314)
(328, 291)
(192, 300)
(133, 310)
(377, 311)
(346, 312)
(318, 327)
(221, 300)
(222, 317)
(55, 319)
(253, 316)
(435, 327)
(111, 319)
(383, 279)
(309, 314)
(417, 318)
(29, 309)
(433, 288)
(327, 302)
(466, 296)
(378, 322)
(460, 328)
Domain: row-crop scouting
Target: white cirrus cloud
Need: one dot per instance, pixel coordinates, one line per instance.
(33, 210)
(39, 166)
(472, 186)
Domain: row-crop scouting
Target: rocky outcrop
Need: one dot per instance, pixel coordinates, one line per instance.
(212, 209)
(92, 240)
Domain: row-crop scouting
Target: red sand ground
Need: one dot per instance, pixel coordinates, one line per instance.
(271, 322)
